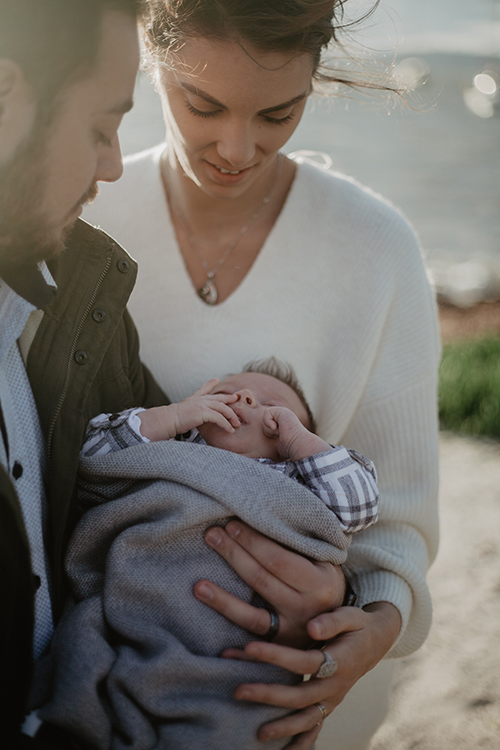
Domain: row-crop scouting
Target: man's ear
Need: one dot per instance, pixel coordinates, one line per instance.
(17, 108)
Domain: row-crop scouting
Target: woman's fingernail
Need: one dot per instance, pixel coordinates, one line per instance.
(204, 592)
(243, 695)
(213, 537)
(233, 528)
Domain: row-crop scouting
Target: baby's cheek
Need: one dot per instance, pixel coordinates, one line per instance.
(216, 437)
(210, 433)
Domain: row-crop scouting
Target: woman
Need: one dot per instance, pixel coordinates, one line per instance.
(244, 254)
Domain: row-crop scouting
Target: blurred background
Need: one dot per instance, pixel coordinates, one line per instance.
(437, 159)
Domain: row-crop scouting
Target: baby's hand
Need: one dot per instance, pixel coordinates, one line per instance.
(165, 422)
(295, 441)
(204, 406)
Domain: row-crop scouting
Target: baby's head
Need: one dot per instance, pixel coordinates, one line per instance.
(262, 384)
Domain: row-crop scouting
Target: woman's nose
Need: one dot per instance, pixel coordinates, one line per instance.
(246, 395)
(236, 145)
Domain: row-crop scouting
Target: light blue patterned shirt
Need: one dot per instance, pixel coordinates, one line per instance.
(24, 458)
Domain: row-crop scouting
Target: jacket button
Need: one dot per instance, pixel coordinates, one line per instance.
(98, 315)
(123, 266)
(17, 470)
(81, 357)
(37, 581)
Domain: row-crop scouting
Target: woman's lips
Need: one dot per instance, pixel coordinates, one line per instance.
(226, 177)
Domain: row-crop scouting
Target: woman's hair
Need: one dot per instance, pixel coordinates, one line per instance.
(294, 26)
(284, 372)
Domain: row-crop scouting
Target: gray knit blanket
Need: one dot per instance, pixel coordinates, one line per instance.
(135, 660)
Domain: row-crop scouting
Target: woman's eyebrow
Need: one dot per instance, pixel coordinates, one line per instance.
(210, 99)
(285, 105)
(202, 94)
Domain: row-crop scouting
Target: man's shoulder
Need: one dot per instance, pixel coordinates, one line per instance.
(88, 238)
(85, 245)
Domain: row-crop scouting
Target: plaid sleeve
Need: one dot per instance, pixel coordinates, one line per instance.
(113, 432)
(346, 481)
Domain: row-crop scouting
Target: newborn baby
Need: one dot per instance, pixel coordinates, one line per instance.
(262, 414)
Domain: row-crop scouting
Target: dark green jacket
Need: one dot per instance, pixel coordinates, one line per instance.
(84, 360)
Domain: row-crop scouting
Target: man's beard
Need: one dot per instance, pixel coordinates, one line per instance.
(27, 235)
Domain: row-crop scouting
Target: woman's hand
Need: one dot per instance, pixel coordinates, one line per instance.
(297, 588)
(361, 639)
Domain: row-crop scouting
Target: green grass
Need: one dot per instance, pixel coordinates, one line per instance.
(469, 387)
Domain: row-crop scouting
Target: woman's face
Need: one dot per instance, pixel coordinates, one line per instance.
(229, 110)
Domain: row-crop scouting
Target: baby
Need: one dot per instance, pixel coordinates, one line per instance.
(260, 413)
(136, 658)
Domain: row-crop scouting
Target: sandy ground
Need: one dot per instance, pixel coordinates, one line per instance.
(480, 320)
(447, 695)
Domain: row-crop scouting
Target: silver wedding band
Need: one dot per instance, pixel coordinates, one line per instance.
(328, 667)
(274, 626)
(322, 709)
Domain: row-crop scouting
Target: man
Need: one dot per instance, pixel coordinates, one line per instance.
(67, 74)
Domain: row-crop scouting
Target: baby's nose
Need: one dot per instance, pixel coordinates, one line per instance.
(246, 395)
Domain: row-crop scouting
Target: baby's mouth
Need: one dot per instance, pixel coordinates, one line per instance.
(239, 414)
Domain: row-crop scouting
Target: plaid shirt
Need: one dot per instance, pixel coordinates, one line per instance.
(343, 479)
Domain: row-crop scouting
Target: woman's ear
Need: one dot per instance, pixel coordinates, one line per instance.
(17, 109)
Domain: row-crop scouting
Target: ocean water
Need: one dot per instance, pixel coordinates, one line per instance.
(435, 159)
(461, 26)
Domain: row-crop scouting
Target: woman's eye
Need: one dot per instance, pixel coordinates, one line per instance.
(278, 120)
(200, 112)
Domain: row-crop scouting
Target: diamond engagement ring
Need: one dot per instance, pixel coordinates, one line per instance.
(328, 667)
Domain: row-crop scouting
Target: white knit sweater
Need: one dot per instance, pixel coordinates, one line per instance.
(339, 291)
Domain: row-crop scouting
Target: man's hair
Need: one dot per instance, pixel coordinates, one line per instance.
(284, 372)
(55, 42)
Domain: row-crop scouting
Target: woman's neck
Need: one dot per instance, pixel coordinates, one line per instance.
(220, 238)
(208, 215)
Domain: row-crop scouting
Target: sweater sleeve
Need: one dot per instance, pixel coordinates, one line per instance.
(388, 561)
(395, 424)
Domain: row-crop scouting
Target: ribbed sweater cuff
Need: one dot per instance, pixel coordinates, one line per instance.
(383, 586)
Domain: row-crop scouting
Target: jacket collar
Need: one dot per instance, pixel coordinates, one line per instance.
(28, 282)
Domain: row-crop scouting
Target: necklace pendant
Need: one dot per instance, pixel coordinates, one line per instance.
(208, 292)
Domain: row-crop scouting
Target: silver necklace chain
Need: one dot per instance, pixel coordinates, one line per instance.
(208, 292)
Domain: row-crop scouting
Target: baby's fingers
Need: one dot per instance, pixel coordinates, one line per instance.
(269, 424)
(221, 415)
(207, 387)
(226, 411)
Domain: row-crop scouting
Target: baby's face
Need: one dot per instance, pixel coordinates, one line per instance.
(256, 392)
